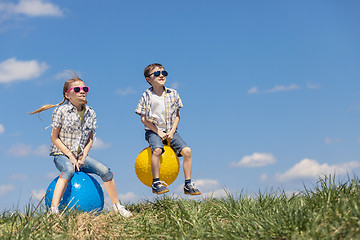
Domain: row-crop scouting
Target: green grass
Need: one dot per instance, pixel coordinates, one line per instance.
(328, 211)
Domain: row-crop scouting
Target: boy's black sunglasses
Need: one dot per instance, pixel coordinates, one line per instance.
(157, 73)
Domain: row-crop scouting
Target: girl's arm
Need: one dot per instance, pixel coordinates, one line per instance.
(152, 127)
(87, 148)
(60, 145)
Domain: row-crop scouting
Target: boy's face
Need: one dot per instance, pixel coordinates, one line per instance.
(157, 81)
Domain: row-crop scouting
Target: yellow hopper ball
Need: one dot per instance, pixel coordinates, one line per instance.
(169, 166)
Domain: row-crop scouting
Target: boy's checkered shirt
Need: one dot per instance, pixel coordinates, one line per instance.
(172, 104)
(72, 133)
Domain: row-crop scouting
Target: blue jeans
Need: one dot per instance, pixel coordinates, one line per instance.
(91, 165)
(177, 143)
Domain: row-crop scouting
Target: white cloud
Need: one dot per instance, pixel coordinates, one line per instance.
(207, 187)
(277, 88)
(100, 144)
(128, 197)
(264, 177)
(282, 88)
(125, 92)
(175, 85)
(253, 90)
(332, 141)
(308, 168)
(30, 8)
(22, 150)
(206, 183)
(38, 194)
(52, 175)
(311, 85)
(218, 193)
(210, 188)
(19, 177)
(14, 70)
(255, 160)
(67, 74)
(2, 128)
(4, 189)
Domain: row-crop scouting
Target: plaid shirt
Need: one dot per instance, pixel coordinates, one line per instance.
(72, 133)
(172, 104)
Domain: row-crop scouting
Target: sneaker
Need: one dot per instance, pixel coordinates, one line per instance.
(191, 190)
(158, 188)
(54, 210)
(123, 212)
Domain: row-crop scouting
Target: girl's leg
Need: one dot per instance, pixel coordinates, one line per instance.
(91, 165)
(59, 190)
(111, 190)
(66, 168)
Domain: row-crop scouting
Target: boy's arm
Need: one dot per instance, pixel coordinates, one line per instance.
(152, 127)
(171, 133)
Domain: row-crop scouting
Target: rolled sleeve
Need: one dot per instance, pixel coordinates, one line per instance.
(141, 108)
(57, 118)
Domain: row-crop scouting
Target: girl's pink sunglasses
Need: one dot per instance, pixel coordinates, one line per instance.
(77, 89)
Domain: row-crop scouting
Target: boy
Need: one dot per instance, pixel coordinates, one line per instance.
(159, 110)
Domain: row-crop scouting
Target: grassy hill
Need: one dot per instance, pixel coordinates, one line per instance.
(328, 211)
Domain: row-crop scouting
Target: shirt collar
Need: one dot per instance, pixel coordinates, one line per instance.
(69, 107)
(167, 90)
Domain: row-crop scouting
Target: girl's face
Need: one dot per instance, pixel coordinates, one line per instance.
(77, 98)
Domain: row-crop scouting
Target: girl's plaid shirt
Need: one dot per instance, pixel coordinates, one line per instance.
(172, 104)
(72, 133)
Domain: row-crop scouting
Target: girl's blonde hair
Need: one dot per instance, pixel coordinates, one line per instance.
(67, 85)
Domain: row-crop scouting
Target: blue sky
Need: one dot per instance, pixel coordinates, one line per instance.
(271, 89)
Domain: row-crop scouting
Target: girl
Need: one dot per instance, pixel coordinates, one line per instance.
(72, 136)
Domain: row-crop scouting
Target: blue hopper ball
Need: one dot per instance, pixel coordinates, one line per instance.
(83, 193)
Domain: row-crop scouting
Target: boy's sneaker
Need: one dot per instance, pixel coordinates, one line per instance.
(190, 189)
(158, 188)
(121, 209)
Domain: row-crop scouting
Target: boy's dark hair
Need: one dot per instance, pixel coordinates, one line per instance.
(150, 67)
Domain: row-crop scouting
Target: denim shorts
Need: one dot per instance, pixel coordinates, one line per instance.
(91, 165)
(177, 143)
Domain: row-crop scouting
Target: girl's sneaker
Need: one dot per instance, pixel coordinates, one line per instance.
(54, 210)
(190, 189)
(158, 188)
(121, 209)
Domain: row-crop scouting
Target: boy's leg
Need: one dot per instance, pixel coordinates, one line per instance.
(155, 162)
(187, 162)
(157, 148)
(157, 186)
(182, 149)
